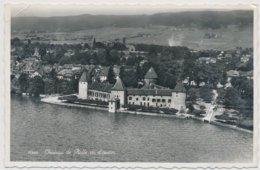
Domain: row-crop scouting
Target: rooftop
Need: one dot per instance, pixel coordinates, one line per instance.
(151, 74)
(156, 92)
(119, 85)
(84, 77)
(105, 87)
(179, 88)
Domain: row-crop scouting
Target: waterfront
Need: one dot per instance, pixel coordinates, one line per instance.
(36, 126)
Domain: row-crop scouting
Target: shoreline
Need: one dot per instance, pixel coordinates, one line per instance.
(54, 100)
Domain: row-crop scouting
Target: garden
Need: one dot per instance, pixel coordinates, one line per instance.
(74, 99)
(151, 109)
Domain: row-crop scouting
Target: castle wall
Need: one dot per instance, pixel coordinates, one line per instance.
(150, 100)
(179, 100)
(98, 95)
(83, 90)
(121, 95)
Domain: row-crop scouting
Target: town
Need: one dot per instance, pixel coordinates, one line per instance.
(146, 71)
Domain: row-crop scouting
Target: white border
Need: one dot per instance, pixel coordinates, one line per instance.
(125, 165)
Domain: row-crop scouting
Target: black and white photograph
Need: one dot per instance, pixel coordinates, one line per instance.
(132, 84)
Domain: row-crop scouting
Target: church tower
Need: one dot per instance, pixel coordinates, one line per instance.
(179, 97)
(150, 77)
(118, 91)
(83, 85)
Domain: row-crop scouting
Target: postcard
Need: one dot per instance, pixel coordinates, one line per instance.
(131, 86)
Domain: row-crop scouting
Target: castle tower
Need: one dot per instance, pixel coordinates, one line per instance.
(83, 85)
(118, 91)
(179, 97)
(151, 76)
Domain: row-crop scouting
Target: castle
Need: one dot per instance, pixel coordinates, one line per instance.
(149, 95)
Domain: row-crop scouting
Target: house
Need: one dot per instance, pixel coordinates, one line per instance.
(61, 73)
(245, 58)
(76, 67)
(68, 75)
(207, 60)
(228, 54)
(38, 72)
(233, 73)
(68, 66)
(99, 73)
(103, 74)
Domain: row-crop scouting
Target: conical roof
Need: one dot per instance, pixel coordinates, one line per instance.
(119, 85)
(151, 74)
(84, 77)
(179, 88)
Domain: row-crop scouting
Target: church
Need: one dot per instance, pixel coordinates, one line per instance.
(150, 94)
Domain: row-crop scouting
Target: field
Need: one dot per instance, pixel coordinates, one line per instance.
(228, 38)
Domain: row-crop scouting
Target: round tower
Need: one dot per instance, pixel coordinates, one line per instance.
(179, 97)
(150, 77)
(83, 85)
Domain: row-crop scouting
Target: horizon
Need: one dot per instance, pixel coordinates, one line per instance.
(48, 11)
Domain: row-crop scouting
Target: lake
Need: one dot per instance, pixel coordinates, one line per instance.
(44, 132)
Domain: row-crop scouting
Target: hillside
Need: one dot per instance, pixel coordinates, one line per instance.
(200, 19)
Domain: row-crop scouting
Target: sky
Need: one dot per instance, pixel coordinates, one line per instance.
(68, 10)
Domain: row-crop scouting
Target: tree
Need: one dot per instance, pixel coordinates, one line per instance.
(49, 59)
(129, 78)
(64, 60)
(193, 95)
(24, 82)
(98, 45)
(119, 46)
(123, 40)
(36, 86)
(16, 42)
(53, 74)
(206, 94)
(101, 56)
(191, 107)
(188, 70)
(232, 99)
(86, 46)
(138, 71)
(49, 87)
(131, 61)
(94, 43)
(42, 51)
(250, 64)
(74, 84)
(113, 57)
(224, 78)
(111, 77)
(247, 89)
(122, 72)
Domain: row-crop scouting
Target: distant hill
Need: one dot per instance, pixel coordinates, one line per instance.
(203, 19)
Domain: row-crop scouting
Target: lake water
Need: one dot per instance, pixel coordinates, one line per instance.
(44, 132)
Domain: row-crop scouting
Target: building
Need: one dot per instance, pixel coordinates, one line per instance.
(245, 58)
(207, 60)
(150, 77)
(233, 73)
(156, 97)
